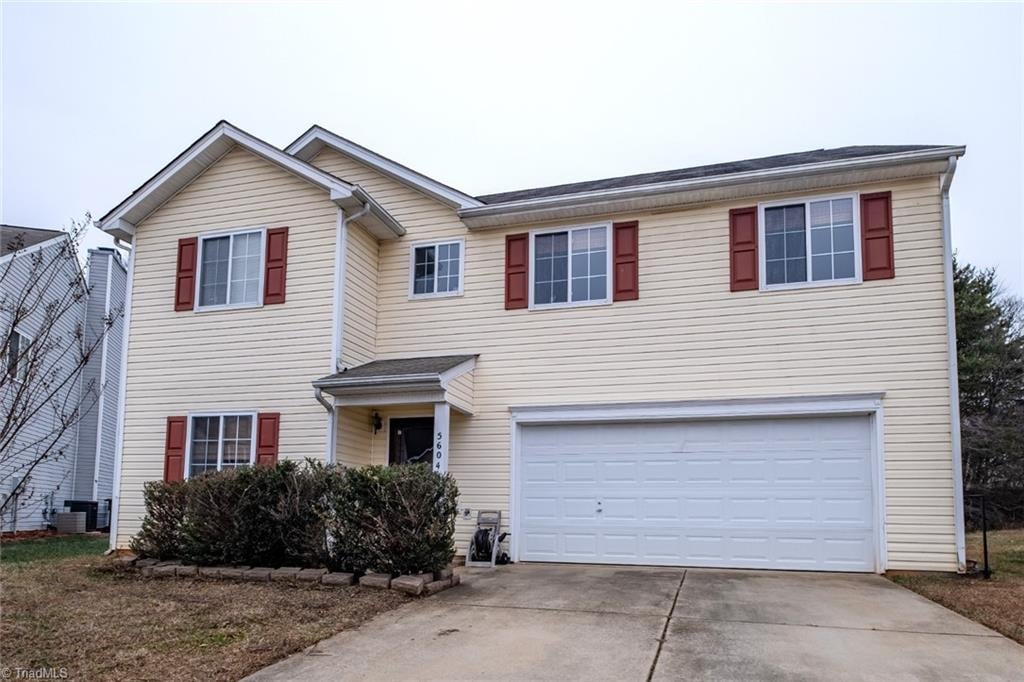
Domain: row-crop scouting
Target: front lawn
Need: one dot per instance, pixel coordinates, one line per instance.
(74, 612)
(49, 548)
(997, 603)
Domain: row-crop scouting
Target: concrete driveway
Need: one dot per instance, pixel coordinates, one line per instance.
(557, 622)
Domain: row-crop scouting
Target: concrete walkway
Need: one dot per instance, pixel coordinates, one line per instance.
(557, 622)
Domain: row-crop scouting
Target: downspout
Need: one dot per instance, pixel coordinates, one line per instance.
(126, 320)
(954, 381)
(337, 321)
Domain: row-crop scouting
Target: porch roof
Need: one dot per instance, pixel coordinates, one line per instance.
(445, 378)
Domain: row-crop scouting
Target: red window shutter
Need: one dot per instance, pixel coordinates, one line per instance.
(174, 448)
(185, 284)
(276, 266)
(876, 236)
(517, 271)
(743, 249)
(267, 428)
(626, 257)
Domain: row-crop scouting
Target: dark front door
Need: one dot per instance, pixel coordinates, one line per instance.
(411, 440)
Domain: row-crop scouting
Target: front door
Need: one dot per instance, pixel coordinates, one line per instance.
(411, 440)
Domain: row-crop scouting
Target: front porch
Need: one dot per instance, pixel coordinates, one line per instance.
(398, 411)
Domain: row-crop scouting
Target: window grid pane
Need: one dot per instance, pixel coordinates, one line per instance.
(213, 284)
(832, 243)
(551, 268)
(448, 257)
(237, 441)
(205, 442)
(424, 270)
(245, 267)
(785, 244)
(589, 264)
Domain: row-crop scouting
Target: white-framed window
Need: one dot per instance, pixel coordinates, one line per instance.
(570, 266)
(810, 242)
(220, 441)
(435, 269)
(16, 359)
(231, 269)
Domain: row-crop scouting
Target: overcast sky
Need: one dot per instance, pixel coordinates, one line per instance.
(499, 96)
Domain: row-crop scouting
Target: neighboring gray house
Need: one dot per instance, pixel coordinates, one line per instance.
(84, 472)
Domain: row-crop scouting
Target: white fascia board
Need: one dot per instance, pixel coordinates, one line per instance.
(190, 164)
(316, 138)
(458, 370)
(490, 215)
(35, 247)
(858, 403)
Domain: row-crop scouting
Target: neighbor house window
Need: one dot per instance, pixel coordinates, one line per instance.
(812, 241)
(437, 269)
(218, 442)
(231, 269)
(570, 266)
(16, 358)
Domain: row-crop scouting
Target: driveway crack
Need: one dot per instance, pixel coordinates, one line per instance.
(664, 630)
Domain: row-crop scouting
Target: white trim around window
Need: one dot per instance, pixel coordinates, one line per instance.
(569, 229)
(199, 307)
(436, 244)
(20, 359)
(221, 415)
(808, 282)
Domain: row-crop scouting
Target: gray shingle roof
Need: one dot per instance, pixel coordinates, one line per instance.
(763, 163)
(388, 369)
(15, 237)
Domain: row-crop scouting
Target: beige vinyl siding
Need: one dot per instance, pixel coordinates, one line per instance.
(260, 359)
(460, 392)
(359, 335)
(354, 443)
(688, 337)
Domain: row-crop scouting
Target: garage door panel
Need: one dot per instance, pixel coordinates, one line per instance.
(762, 493)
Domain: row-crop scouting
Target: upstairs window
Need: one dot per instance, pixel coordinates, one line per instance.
(231, 269)
(436, 269)
(810, 242)
(16, 360)
(570, 266)
(218, 442)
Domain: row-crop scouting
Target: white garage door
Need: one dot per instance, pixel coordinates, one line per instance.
(754, 493)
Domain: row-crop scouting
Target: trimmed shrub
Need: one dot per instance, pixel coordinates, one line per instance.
(161, 537)
(389, 519)
(392, 519)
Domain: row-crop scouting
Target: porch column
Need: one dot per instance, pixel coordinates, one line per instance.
(442, 418)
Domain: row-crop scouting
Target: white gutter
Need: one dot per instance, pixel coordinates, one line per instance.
(102, 383)
(115, 506)
(597, 196)
(954, 380)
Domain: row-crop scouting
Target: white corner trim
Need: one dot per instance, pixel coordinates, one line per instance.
(837, 404)
(959, 531)
(310, 142)
(126, 319)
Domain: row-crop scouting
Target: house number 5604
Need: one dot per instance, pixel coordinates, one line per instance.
(438, 451)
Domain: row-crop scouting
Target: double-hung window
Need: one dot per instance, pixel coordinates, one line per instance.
(16, 357)
(436, 269)
(231, 269)
(570, 266)
(218, 442)
(810, 242)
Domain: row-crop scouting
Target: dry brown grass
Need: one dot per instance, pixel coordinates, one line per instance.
(997, 603)
(102, 624)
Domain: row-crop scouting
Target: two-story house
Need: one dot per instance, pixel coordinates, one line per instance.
(747, 364)
(58, 412)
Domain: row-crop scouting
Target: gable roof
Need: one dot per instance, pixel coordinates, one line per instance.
(207, 150)
(712, 170)
(16, 237)
(311, 142)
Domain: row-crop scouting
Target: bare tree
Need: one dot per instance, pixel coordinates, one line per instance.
(45, 348)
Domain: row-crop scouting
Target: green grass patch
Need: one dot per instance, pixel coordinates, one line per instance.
(51, 549)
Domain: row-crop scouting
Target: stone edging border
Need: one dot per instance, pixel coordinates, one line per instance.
(409, 584)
